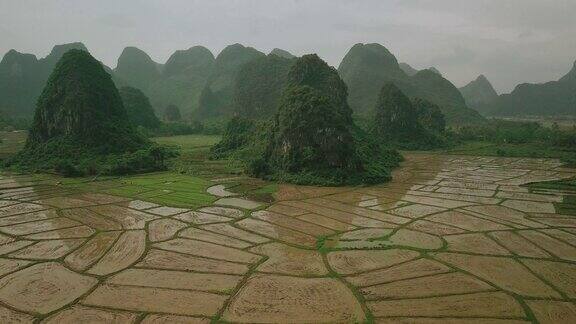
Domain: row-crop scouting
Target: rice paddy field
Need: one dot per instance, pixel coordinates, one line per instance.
(452, 238)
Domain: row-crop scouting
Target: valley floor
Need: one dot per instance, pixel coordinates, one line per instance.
(450, 239)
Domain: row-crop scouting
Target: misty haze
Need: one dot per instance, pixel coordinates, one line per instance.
(322, 161)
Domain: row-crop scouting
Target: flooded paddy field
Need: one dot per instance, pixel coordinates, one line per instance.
(451, 239)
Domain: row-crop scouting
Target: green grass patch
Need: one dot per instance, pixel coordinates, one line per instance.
(195, 159)
(166, 188)
(267, 189)
(254, 189)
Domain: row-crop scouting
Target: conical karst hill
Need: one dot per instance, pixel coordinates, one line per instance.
(80, 123)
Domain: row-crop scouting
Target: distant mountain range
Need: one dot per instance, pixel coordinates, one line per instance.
(554, 98)
(204, 86)
(282, 53)
(367, 67)
(177, 82)
(222, 79)
(479, 95)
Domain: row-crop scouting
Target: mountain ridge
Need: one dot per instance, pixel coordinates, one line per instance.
(367, 67)
(479, 94)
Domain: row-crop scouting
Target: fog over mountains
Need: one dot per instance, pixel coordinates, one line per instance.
(510, 43)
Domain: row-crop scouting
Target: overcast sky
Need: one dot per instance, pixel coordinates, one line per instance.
(509, 41)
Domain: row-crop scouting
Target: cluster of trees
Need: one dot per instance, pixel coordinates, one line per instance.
(515, 138)
(259, 85)
(138, 108)
(516, 132)
(11, 124)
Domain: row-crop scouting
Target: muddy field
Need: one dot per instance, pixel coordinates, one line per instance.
(449, 240)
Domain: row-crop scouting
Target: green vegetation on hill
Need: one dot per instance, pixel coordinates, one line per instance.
(259, 86)
(19, 83)
(136, 69)
(430, 85)
(367, 67)
(400, 122)
(312, 138)
(222, 80)
(180, 81)
(23, 76)
(430, 116)
(138, 108)
(80, 125)
(184, 77)
(208, 100)
(395, 117)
